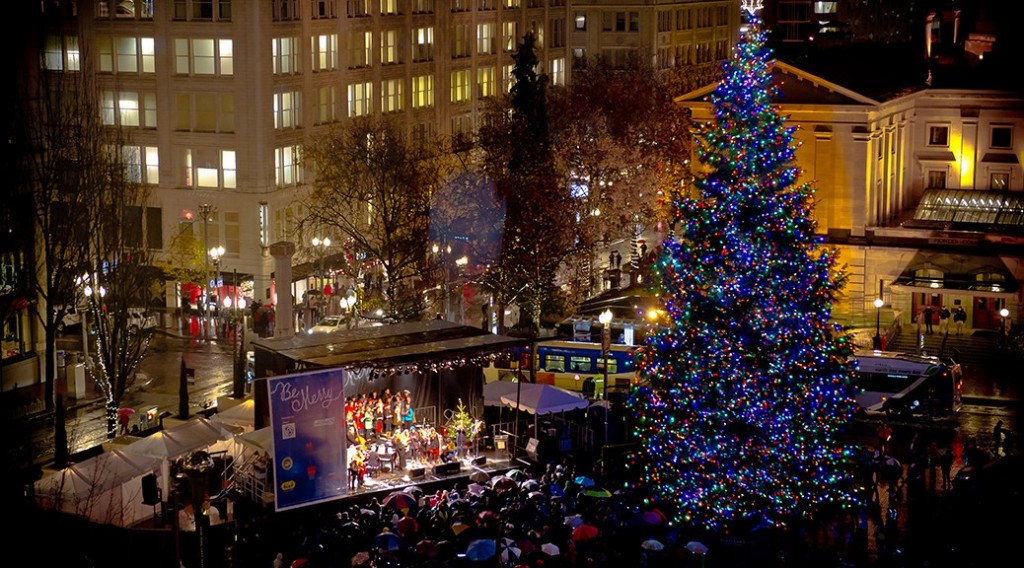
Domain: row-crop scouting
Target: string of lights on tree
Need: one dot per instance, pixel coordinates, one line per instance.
(744, 395)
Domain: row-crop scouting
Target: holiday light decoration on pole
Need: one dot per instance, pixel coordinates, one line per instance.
(606, 346)
(741, 397)
(877, 340)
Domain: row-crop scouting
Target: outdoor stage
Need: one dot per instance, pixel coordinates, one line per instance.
(443, 476)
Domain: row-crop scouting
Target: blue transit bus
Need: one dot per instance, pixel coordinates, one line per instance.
(902, 384)
(571, 365)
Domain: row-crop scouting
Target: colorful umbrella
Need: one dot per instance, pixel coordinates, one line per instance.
(387, 540)
(584, 532)
(400, 500)
(481, 549)
(476, 489)
(573, 521)
(584, 481)
(596, 492)
(426, 548)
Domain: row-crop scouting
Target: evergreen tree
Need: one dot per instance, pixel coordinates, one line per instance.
(744, 396)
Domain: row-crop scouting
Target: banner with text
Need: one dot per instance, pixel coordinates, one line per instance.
(307, 414)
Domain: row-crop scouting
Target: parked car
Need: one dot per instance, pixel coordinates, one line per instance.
(328, 324)
(72, 317)
(139, 319)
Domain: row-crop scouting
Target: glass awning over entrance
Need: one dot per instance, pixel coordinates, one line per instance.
(996, 210)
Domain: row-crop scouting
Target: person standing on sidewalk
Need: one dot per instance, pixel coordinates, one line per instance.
(946, 464)
(928, 313)
(997, 438)
(944, 314)
(959, 319)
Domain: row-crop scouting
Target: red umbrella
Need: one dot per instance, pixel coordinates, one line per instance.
(654, 517)
(584, 532)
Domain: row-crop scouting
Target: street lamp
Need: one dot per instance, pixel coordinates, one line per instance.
(321, 249)
(877, 340)
(461, 263)
(215, 254)
(606, 345)
(1004, 327)
(206, 210)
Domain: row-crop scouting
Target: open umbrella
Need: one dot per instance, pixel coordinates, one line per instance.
(479, 476)
(696, 547)
(476, 489)
(539, 496)
(426, 548)
(414, 490)
(529, 485)
(584, 532)
(481, 549)
(387, 540)
(399, 500)
(550, 549)
(502, 483)
(596, 492)
(584, 481)
(517, 475)
(654, 517)
(459, 527)
(652, 545)
(573, 521)
(510, 552)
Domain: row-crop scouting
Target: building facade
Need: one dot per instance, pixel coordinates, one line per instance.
(923, 193)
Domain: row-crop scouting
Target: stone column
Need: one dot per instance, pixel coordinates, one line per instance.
(284, 319)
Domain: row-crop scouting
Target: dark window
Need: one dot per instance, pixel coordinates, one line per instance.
(938, 136)
(154, 228)
(1002, 137)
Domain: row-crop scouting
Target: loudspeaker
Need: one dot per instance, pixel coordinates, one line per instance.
(480, 460)
(417, 472)
(446, 468)
(150, 492)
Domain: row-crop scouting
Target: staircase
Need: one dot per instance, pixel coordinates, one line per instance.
(975, 350)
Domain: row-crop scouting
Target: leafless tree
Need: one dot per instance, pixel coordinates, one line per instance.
(374, 188)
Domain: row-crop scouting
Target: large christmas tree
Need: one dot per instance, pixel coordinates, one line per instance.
(743, 398)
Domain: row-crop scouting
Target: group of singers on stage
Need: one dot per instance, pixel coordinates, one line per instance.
(381, 430)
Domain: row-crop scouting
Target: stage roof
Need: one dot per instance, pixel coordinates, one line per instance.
(388, 345)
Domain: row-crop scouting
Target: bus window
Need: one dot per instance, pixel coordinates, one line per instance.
(554, 363)
(578, 364)
(613, 365)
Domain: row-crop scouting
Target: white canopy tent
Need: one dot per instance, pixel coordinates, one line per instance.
(494, 390)
(106, 489)
(543, 399)
(178, 441)
(242, 415)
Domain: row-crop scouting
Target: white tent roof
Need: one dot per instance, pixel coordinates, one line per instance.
(545, 399)
(242, 414)
(97, 474)
(177, 441)
(262, 439)
(494, 390)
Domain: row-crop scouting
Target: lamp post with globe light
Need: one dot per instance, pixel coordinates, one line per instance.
(877, 340)
(321, 246)
(216, 253)
(606, 345)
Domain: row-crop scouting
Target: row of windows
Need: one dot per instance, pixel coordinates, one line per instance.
(1000, 136)
(936, 179)
(289, 10)
(324, 49)
(684, 19)
(207, 168)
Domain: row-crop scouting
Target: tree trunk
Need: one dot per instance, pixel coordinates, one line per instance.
(60, 434)
(51, 366)
(113, 424)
